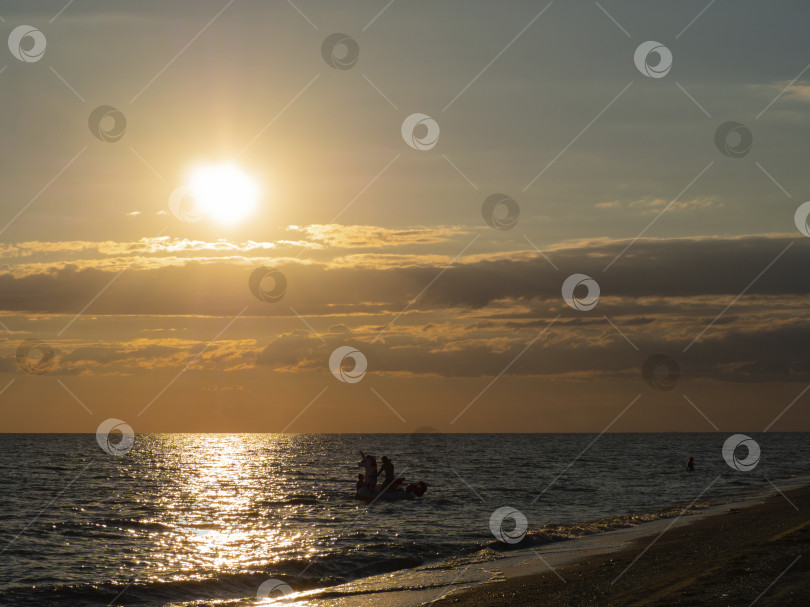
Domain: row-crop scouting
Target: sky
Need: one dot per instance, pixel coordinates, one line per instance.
(428, 175)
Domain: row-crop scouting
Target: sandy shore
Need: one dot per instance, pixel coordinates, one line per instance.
(733, 558)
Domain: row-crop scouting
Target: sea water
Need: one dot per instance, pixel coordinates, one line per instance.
(208, 518)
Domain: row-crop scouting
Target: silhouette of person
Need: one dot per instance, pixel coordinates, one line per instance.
(387, 469)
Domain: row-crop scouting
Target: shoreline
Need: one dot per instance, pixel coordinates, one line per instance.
(730, 557)
(495, 577)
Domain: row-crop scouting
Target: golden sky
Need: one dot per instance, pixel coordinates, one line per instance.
(424, 182)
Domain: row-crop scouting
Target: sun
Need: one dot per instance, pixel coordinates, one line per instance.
(223, 192)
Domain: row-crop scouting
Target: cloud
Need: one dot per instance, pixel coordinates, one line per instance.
(363, 236)
(650, 268)
(704, 301)
(656, 205)
(34, 257)
(795, 91)
(127, 357)
(765, 352)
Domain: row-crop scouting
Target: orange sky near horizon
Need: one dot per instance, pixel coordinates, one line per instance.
(449, 230)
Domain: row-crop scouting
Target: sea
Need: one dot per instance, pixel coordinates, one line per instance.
(251, 519)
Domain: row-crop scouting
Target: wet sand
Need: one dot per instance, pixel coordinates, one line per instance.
(732, 558)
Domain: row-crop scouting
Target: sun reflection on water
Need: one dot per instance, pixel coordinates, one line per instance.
(215, 498)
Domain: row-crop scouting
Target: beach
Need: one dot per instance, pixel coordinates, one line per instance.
(741, 556)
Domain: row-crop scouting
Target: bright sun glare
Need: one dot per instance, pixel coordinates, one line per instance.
(224, 192)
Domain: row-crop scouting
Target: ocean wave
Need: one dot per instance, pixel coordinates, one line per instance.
(323, 572)
(222, 586)
(571, 531)
(292, 500)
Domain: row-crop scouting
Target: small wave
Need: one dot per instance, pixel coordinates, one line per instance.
(577, 489)
(210, 587)
(571, 531)
(215, 588)
(81, 526)
(292, 500)
(145, 525)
